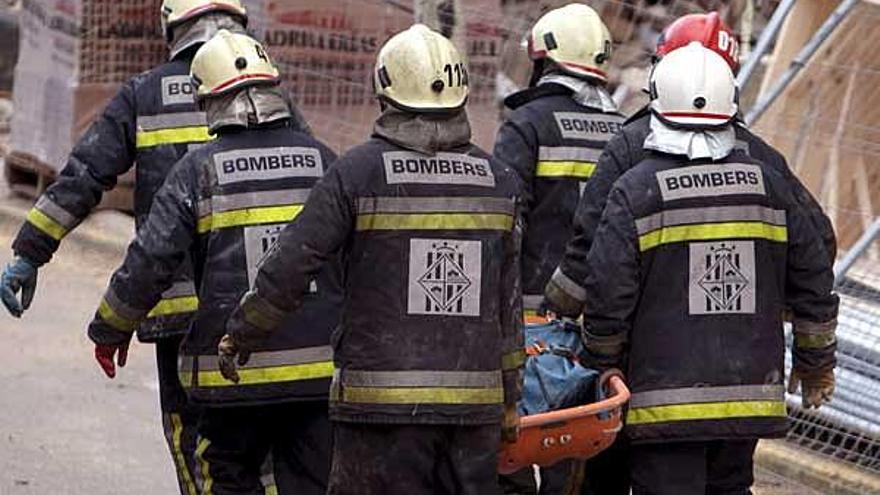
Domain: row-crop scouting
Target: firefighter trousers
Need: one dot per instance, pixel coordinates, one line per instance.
(718, 467)
(235, 441)
(390, 459)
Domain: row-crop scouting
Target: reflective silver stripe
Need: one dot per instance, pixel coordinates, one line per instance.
(265, 359)
(122, 309)
(532, 302)
(56, 212)
(742, 145)
(435, 205)
(258, 199)
(180, 289)
(570, 287)
(417, 378)
(698, 395)
(568, 153)
(813, 328)
(171, 121)
(686, 216)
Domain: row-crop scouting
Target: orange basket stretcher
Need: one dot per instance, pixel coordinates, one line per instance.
(573, 433)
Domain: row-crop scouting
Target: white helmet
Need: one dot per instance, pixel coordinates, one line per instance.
(176, 12)
(575, 38)
(693, 87)
(229, 61)
(420, 70)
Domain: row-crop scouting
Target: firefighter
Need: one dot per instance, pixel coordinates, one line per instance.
(224, 203)
(555, 133)
(151, 122)
(699, 249)
(564, 293)
(429, 352)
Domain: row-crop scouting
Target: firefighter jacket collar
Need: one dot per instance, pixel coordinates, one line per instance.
(422, 132)
(250, 107)
(584, 92)
(691, 143)
(201, 30)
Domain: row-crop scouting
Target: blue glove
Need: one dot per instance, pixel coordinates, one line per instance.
(18, 274)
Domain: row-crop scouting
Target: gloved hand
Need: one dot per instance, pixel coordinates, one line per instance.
(510, 424)
(231, 356)
(18, 274)
(817, 387)
(104, 354)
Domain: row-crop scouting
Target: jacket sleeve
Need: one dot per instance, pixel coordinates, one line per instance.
(612, 285)
(516, 146)
(151, 262)
(565, 291)
(513, 350)
(106, 151)
(809, 283)
(302, 249)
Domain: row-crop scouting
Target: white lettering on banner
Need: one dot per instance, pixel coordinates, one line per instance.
(710, 180)
(722, 278)
(404, 167)
(267, 164)
(177, 90)
(590, 126)
(444, 277)
(258, 240)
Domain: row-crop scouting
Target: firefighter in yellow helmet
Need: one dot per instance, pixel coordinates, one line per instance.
(429, 352)
(225, 203)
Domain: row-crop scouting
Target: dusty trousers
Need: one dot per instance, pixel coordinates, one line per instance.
(235, 441)
(718, 467)
(387, 459)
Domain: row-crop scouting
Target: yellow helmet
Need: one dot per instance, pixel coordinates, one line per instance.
(176, 12)
(575, 38)
(420, 70)
(228, 61)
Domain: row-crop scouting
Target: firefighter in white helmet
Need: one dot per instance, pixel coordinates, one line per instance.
(225, 203)
(554, 133)
(151, 122)
(429, 351)
(699, 250)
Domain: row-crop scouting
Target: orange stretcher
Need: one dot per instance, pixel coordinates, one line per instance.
(574, 433)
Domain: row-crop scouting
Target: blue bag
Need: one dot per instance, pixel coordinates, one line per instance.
(553, 379)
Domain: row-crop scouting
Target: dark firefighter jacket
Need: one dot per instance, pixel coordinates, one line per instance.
(553, 144)
(224, 205)
(431, 328)
(622, 153)
(151, 122)
(691, 267)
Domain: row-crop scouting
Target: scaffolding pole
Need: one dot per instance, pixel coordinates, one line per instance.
(767, 36)
(856, 252)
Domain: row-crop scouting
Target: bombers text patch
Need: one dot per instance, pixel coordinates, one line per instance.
(402, 167)
(267, 164)
(177, 90)
(710, 180)
(591, 126)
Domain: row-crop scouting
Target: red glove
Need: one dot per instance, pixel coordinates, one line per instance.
(104, 355)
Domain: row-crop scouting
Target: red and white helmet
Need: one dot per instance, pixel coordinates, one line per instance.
(707, 29)
(693, 87)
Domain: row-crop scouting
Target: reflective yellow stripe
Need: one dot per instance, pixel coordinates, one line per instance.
(179, 135)
(249, 216)
(175, 305)
(707, 410)
(435, 221)
(207, 488)
(113, 319)
(274, 374)
(814, 340)
(45, 223)
(182, 468)
(186, 378)
(513, 360)
(271, 490)
(710, 231)
(579, 170)
(423, 395)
